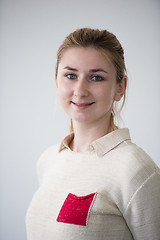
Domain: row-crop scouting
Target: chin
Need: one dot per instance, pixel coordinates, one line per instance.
(81, 119)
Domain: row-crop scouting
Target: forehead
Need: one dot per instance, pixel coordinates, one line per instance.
(87, 56)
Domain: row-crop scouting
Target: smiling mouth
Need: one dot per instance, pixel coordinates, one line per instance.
(82, 105)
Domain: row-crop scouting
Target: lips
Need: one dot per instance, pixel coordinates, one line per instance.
(82, 105)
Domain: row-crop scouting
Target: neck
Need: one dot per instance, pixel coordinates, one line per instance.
(85, 134)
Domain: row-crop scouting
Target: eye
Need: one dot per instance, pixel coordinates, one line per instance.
(71, 76)
(97, 78)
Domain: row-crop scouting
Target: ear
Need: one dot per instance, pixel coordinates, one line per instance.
(121, 88)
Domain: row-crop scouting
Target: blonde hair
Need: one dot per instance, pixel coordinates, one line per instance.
(104, 41)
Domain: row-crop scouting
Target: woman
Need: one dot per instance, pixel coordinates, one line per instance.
(96, 184)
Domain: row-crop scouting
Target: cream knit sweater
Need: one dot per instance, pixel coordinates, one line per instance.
(110, 192)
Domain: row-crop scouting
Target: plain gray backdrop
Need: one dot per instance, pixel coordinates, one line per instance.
(31, 118)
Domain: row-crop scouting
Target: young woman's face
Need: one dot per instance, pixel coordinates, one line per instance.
(86, 85)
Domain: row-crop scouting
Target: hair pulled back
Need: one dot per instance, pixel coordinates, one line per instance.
(102, 40)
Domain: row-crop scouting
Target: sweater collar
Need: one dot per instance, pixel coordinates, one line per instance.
(102, 145)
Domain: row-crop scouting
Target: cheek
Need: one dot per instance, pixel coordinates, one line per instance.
(106, 95)
(64, 94)
(62, 89)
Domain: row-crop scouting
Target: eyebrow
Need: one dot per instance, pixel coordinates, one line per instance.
(91, 70)
(98, 70)
(71, 69)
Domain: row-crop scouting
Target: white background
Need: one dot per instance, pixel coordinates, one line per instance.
(31, 120)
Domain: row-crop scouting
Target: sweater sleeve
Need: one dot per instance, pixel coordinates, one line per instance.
(143, 211)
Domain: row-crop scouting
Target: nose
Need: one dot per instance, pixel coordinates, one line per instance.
(81, 88)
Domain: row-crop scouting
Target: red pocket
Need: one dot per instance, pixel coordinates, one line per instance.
(75, 209)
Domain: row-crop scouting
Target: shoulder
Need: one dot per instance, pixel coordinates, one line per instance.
(47, 159)
(135, 165)
(134, 158)
(134, 169)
